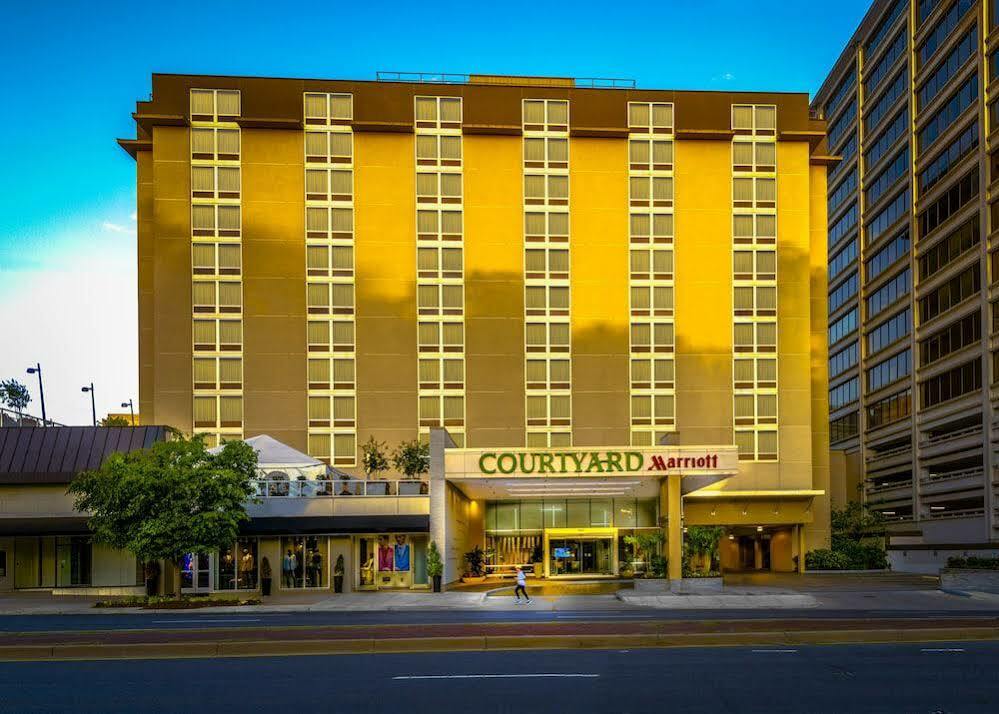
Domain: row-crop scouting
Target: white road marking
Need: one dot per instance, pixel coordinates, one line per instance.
(171, 622)
(497, 676)
(942, 649)
(775, 651)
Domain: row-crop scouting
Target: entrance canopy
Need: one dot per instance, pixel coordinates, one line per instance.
(627, 471)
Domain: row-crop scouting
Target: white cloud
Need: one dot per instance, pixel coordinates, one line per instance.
(723, 77)
(133, 216)
(116, 227)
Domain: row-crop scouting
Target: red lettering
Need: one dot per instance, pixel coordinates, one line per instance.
(657, 464)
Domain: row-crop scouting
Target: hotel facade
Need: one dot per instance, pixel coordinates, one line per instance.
(604, 307)
(912, 271)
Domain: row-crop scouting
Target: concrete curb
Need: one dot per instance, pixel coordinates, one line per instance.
(270, 648)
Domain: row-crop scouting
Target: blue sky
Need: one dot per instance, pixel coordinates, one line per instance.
(71, 73)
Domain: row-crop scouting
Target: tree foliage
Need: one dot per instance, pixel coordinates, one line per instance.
(412, 458)
(169, 500)
(14, 394)
(114, 420)
(373, 458)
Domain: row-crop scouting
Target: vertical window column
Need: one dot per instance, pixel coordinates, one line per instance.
(548, 367)
(329, 245)
(754, 274)
(440, 282)
(651, 281)
(216, 265)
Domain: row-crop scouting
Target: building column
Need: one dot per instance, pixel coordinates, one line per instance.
(674, 527)
(801, 548)
(439, 441)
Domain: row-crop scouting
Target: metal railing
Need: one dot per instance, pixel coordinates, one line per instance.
(881, 455)
(335, 488)
(952, 475)
(12, 418)
(965, 513)
(605, 83)
(947, 436)
(889, 485)
(427, 77)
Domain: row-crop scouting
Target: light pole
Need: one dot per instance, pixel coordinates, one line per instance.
(131, 411)
(93, 406)
(37, 369)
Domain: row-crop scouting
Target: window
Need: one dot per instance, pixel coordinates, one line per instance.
(889, 370)
(214, 105)
(964, 144)
(842, 91)
(952, 384)
(649, 118)
(237, 566)
(961, 99)
(881, 31)
(438, 112)
(843, 190)
(847, 151)
(963, 239)
(896, 169)
(895, 130)
(845, 121)
(843, 360)
(843, 259)
(954, 337)
(938, 35)
(924, 9)
(845, 427)
(937, 81)
(843, 394)
(325, 109)
(887, 217)
(889, 409)
(891, 95)
(843, 225)
(888, 332)
(949, 203)
(840, 294)
(888, 293)
(886, 257)
(876, 74)
(74, 560)
(843, 326)
(952, 293)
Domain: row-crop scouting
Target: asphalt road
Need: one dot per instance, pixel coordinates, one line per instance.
(201, 620)
(911, 678)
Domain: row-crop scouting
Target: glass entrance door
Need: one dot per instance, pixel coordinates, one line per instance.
(580, 556)
(196, 573)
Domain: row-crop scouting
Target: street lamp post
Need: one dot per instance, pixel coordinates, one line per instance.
(37, 369)
(131, 411)
(93, 405)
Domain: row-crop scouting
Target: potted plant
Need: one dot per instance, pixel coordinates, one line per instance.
(476, 561)
(538, 559)
(435, 566)
(265, 576)
(338, 574)
(648, 548)
(151, 573)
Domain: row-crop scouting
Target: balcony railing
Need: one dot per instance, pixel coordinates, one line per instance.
(889, 485)
(334, 488)
(952, 475)
(889, 453)
(964, 513)
(948, 436)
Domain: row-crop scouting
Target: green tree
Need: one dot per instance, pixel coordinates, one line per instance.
(701, 543)
(114, 420)
(15, 395)
(648, 547)
(169, 500)
(373, 458)
(412, 458)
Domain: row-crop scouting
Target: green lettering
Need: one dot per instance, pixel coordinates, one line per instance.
(595, 462)
(545, 465)
(482, 462)
(561, 458)
(578, 460)
(523, 463)
(509, 459)
(633, 461)
(614, 461)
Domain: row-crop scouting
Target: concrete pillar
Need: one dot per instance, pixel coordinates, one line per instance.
(758, 553)
(801, 548)
(439, 441)
(674, 527)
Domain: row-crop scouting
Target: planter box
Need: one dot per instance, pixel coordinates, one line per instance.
(473, 579)
(962, 579)
(697, 586)
(651, 586)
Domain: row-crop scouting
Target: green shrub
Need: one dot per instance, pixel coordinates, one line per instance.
(825, 559)
(973, 562)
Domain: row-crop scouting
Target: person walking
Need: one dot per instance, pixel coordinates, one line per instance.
(521, 586)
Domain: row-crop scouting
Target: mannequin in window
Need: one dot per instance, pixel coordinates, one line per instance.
(385, 554)
(401, 553)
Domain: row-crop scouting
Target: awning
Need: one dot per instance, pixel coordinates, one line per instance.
(314, 525)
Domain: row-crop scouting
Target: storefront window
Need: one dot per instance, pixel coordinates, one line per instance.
(601, 512)
(237, 568)
(577, 514)
(625, 512)
(392, 561)
(74, 557)
(304, 562)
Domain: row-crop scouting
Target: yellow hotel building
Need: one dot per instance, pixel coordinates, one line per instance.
(504, 265)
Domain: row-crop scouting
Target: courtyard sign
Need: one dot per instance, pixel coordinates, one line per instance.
(593, 462)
